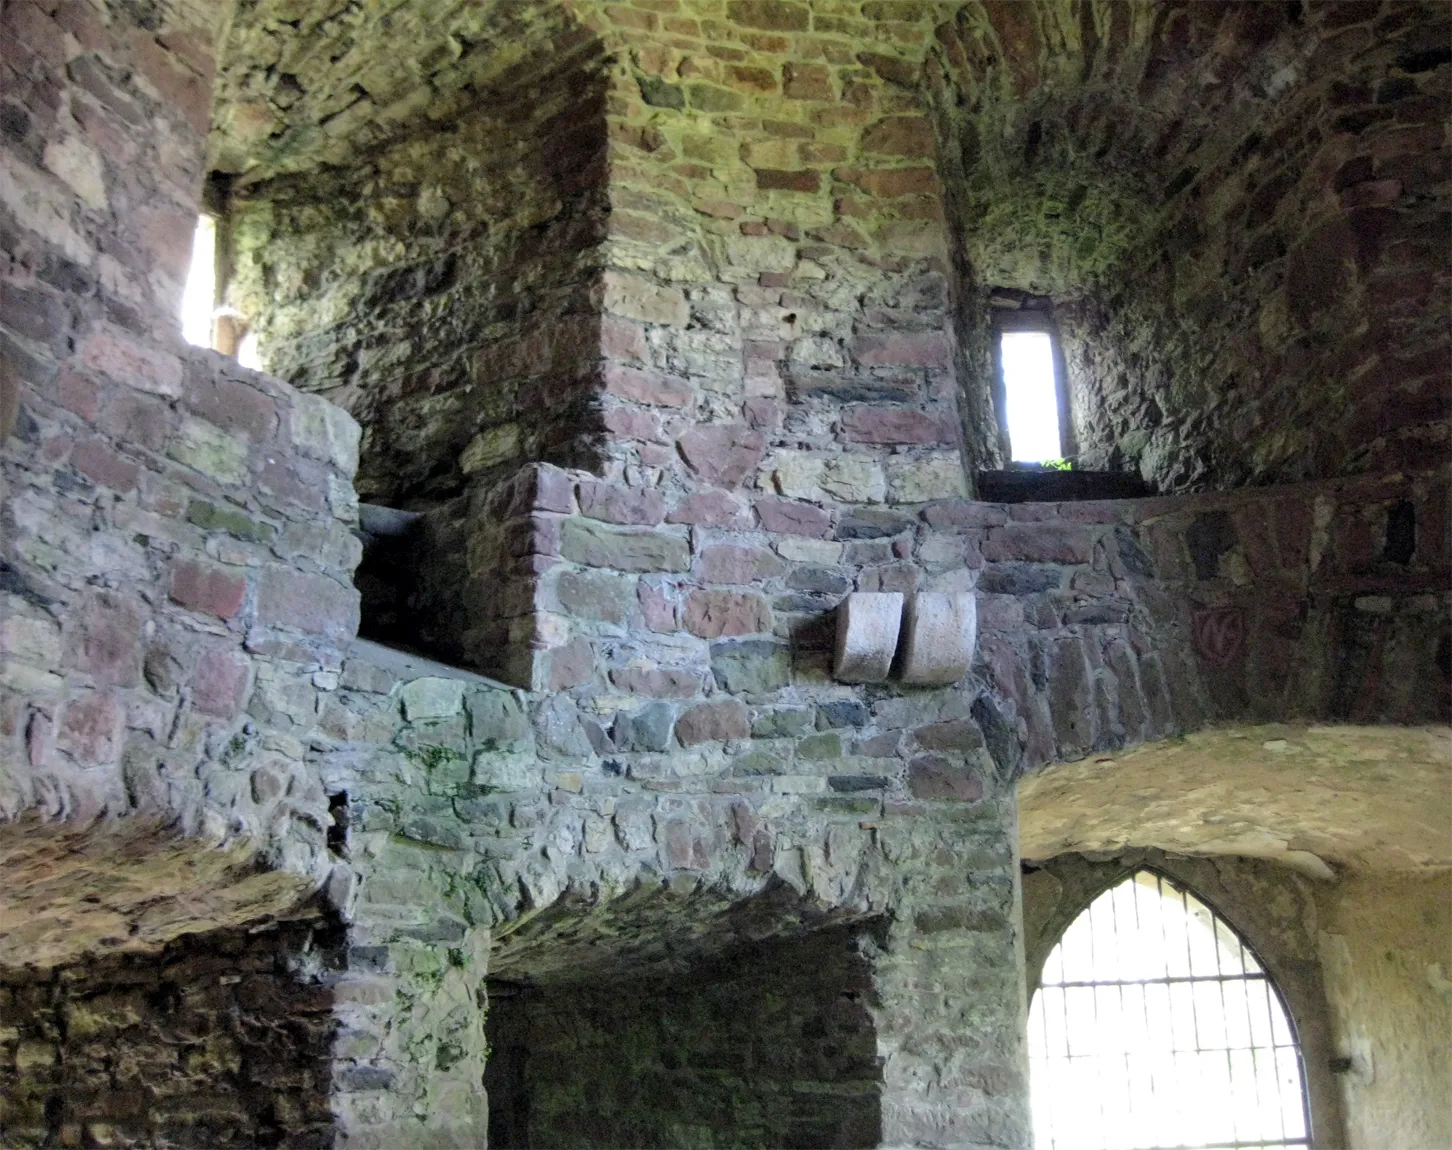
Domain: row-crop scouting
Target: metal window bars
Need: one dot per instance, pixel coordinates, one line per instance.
(1156, 1027)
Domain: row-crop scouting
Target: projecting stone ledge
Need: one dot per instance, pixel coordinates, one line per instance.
(868, 623)
(942, 630)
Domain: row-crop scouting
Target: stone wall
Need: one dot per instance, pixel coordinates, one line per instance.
(1384, 949)
(175, 558)
(222, 1038)
(439, 288)
(768, 1046)
(1240, 212)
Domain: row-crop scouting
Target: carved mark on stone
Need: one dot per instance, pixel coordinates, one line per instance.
(1219, 635)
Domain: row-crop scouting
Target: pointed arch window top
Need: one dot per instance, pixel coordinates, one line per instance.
(1154, 1026)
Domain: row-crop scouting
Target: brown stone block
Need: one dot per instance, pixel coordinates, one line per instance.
(1038, 543)
(646, 386)
(105, 640)
(731, 563)
(782, 181)
(311, 603)
(866, 424)
(899, 136)
(724, 614)
(935, 778)
(219, 682)
(708, 509)
(903, 349)
(95, 459)
(807, 82)
(751, 79)
(91, 729)
(788, 517)
(615, 503)
(722, 454)
(713, 722)
(771, 15)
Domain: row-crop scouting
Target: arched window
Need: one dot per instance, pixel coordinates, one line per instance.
(1154, 1025)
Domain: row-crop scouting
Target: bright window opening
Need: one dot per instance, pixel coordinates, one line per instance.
(199, 297)
(1155, 1026)
(1031, 396)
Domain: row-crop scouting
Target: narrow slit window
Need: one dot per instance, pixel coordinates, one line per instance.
(199, 297)
(1155, 1025)
(1031, 396)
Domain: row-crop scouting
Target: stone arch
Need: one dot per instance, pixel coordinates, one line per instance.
(1269, 909)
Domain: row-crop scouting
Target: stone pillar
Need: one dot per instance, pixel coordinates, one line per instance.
(409, 1053)
(949, 998)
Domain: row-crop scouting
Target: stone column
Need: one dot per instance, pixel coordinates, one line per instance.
(949, 1002)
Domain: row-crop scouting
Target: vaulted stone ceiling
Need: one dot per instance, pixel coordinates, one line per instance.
(309, 82)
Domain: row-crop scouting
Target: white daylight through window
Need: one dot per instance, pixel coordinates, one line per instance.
(199, 297)
(1155, 1026)
(1031, 396)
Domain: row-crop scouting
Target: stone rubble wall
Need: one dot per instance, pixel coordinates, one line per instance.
(1240, 212)
(223, 1038)
(679, 766)
(770, 1046)
(439, 288)
(175, 543)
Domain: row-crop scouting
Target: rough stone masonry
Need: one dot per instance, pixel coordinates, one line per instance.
(667, 321)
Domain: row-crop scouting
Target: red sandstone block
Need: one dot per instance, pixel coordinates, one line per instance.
(91, 729)
(615, 503)
(204, 587)
(1042, 543)
(95, 459)
(788, 517)
(307, 602)
(935, 778)
(722, 454)
(770, 15)
(106, 642)
(78, 394)
(571, 664)
(128, 360)
(713, 722)
(656, 607)
(708, 509)
(964, 513)
(899, 136)
(776, 180)
(903, 349)
(731, 563)
(622, 339)
(219, 682)
(646, 386)
(807, 82)
(657, 682)
(632, 423)
(230, 404)
(183, 90)
(717, 614)
(866, 424)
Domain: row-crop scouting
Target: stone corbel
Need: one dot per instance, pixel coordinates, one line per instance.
(942, 631)
(868, 623)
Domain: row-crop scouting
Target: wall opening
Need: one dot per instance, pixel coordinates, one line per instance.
(1155, 1024)
(199, 296)
(1031, 396)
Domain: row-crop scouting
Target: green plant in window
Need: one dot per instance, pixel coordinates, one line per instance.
(1059, 464)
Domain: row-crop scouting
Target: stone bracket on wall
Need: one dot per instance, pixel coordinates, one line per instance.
(938, 633)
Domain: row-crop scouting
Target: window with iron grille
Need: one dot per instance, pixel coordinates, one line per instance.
(1155, 1026)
